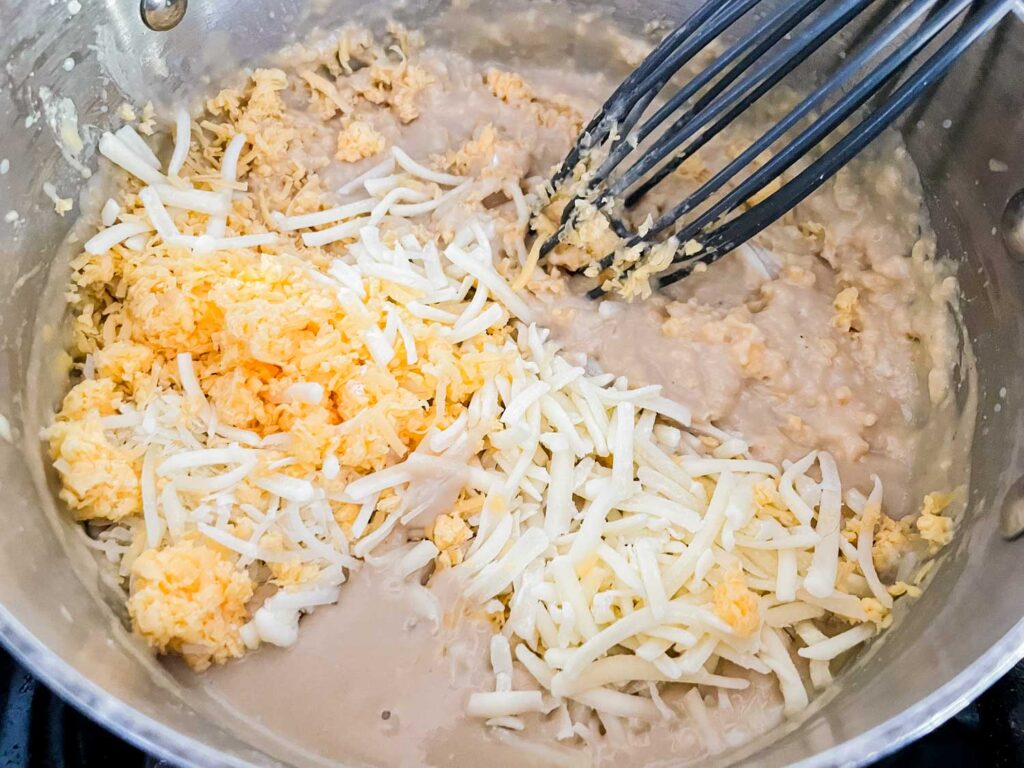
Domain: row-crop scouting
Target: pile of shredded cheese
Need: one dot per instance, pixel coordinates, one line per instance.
(280, 383)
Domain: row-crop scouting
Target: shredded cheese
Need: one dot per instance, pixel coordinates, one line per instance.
(365, 378)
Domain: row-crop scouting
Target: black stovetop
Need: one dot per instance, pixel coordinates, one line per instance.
(37, 729)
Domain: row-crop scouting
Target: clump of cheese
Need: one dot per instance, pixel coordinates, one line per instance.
(99, 480)
(507, 86)
(448, 533)
(257, 110)
(395, 86)
(255, 324)
(512, 88)
(358, 140)
(847, 306)
(892, 539)
(770, 504)
(934, 526)
(736, 604)
(876, 612)
(128, 364)
(489, 155)
(191, 599)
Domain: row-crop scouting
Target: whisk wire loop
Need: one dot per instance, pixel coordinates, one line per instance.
(717, 217)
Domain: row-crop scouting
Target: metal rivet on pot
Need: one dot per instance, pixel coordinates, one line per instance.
(1012, 226)
(1012, 512)
(162, 15)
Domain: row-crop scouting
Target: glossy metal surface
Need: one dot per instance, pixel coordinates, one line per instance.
(55, 610)
(162, 15)
(1012, 225)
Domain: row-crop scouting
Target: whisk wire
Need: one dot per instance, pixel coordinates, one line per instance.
(985, 16)
(709, 102)
(756, 44)
(847, 105)
(672, 65)
(732, 102)
(750, 48)
(764, 76)
(629, 102)
(598, 128)
(702, 194)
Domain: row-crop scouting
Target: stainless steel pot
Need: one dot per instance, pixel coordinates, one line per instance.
(964, 632)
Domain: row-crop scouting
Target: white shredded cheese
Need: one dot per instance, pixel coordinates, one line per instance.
(109, 213)
(182, 139)
(117, 152)
(618, 552)
(106, 239)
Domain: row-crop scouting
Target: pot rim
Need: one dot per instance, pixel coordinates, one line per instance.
(930, 712)
(167, 743)
(100, 706)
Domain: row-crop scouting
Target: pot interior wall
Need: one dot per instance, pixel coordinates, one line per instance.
(52, 606)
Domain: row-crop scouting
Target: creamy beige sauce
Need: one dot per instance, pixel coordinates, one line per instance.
(755, 355)
(760, 356)
(758, 345)
(452, 109)
(383, 678)
(377, 681)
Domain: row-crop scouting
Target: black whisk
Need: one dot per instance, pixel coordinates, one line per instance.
(628, 157)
